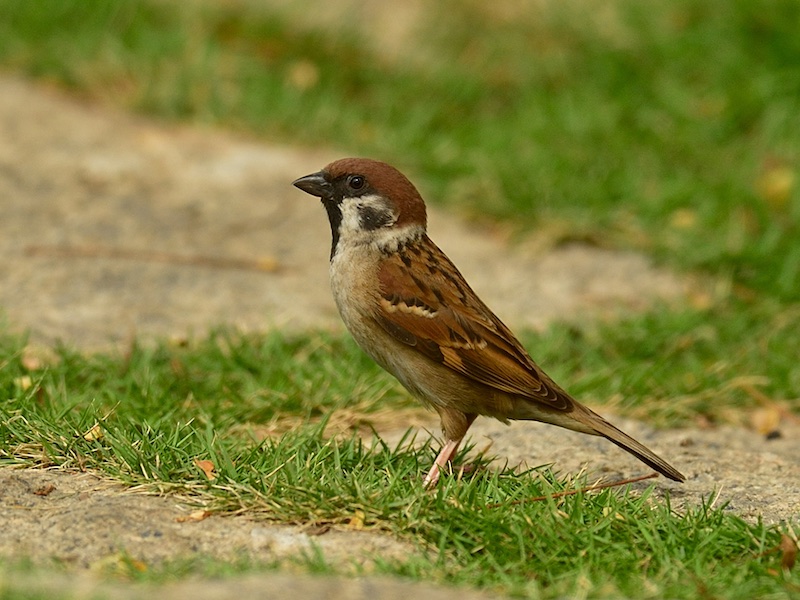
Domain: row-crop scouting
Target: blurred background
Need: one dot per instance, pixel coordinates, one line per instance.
(667, 126)
(663, 130)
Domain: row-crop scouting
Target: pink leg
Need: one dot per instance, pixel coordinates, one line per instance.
(454, 426)
(447, 454)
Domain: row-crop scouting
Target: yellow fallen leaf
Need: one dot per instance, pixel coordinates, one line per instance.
(23, 383)
(765, 420)
(95, 433)
(357, 520)
(775, 186)
(269, 264)
(302, 74)
(119, 564)
(683, 218)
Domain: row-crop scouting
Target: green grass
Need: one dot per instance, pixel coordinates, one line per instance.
(160, 408)
(669, 127)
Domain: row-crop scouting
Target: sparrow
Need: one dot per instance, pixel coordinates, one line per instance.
(408, 307)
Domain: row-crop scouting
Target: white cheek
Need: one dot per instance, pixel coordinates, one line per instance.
(387, 239)
(351, 226)
(351, 221)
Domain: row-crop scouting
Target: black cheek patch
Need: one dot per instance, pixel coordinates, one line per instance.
(374, 218)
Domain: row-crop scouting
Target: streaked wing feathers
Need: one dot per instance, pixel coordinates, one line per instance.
(441, 317)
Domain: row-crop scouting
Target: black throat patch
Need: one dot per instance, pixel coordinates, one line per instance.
(335, 218)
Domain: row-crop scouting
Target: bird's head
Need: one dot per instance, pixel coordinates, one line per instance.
(368, 202)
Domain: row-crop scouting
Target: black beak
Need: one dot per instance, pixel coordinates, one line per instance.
(315, 184)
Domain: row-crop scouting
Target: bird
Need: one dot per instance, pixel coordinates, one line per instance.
(409, 308)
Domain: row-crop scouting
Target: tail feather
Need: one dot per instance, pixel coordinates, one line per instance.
(627, 443)
(582, 419)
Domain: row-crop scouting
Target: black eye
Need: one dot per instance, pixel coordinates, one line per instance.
(356, 182)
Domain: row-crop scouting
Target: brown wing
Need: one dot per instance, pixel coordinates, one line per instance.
(441, 317)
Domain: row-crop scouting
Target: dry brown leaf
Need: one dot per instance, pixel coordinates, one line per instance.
(194, 516)
(35, 358)
(30, 361)
(45, 490)
(207, 467)
(137, 565)
(788, 548)
(702, 421)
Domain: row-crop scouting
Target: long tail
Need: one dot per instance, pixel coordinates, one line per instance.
(627, 443)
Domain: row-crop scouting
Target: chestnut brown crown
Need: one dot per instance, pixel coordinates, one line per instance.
(386, 181)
